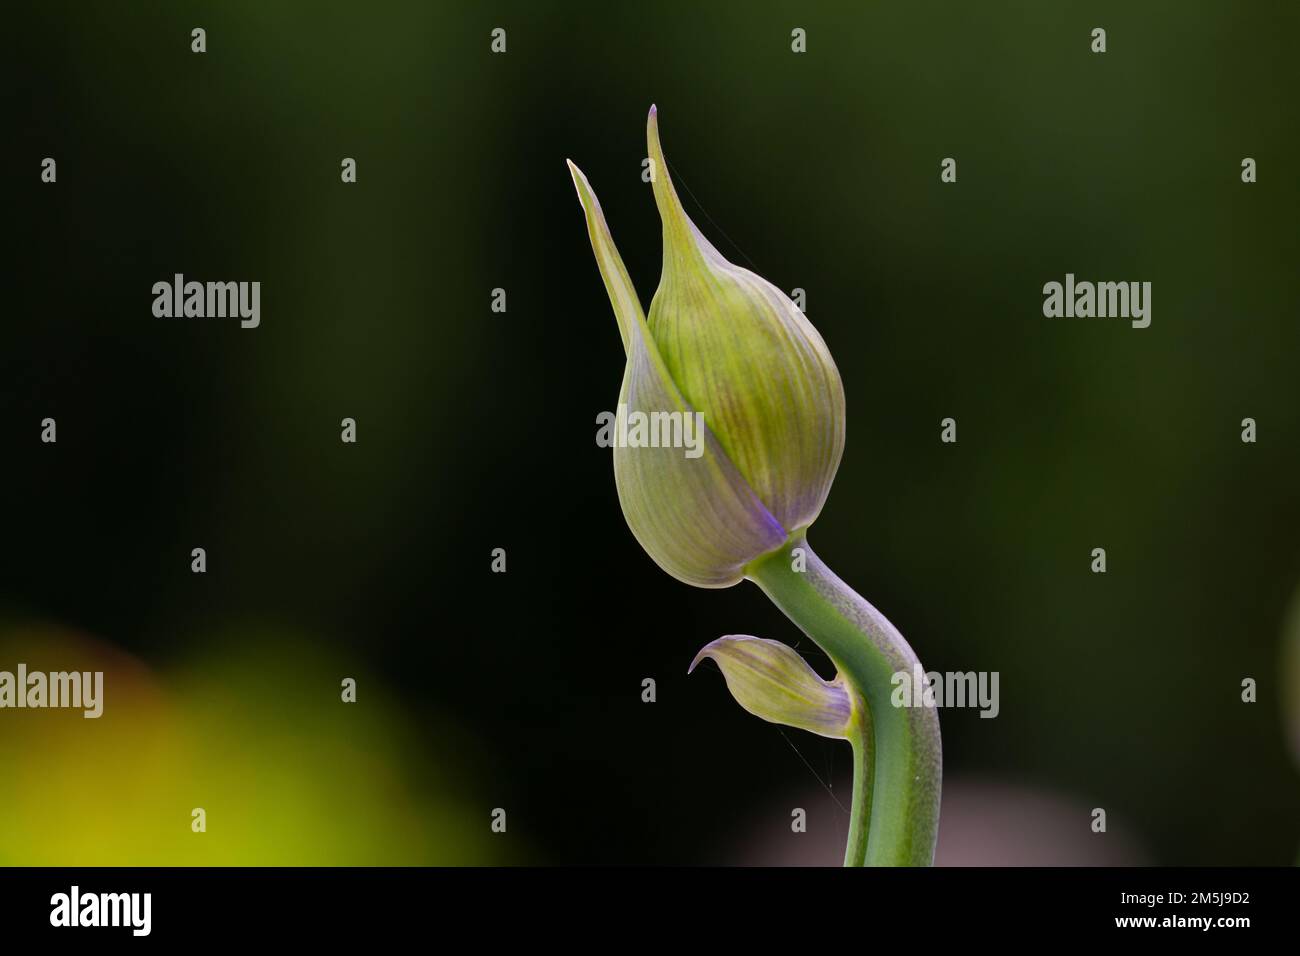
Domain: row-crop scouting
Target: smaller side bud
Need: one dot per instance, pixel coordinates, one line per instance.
(773, 682)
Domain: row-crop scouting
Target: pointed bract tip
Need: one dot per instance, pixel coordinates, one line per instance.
(579, 181)
(773, 682)
(708, 649)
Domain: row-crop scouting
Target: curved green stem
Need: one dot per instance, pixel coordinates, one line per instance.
(897, 754)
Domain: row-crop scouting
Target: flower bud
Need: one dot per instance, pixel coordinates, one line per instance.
(725, 347)
(773, 682)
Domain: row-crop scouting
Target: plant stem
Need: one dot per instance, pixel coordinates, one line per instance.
(897, 754)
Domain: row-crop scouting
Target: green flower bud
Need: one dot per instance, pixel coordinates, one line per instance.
(724, 343)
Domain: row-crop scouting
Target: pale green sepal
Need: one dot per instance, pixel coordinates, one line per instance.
(773, 682)
(622, 294)
(688, 506)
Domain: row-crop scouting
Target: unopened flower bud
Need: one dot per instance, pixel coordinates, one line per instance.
(726, 343)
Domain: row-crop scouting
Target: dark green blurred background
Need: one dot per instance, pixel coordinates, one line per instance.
(476, 429)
